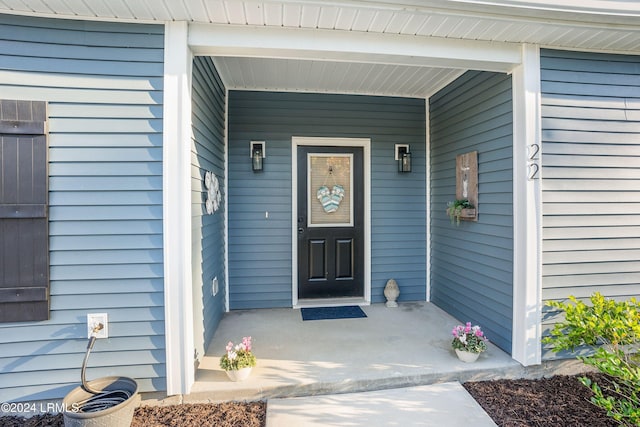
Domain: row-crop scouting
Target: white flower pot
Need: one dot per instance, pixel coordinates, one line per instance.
(239, 374)
(467, 356)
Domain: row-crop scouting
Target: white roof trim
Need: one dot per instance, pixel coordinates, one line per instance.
(583, 11)
(597, 7)
(580, 24)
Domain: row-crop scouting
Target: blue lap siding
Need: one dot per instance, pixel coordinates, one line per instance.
(208, 154)
(103, 84)
(591, 180)
(260, 259)
(472, 264)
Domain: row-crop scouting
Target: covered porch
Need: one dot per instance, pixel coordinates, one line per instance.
(390, 348)
(361, 86)
(440, 96)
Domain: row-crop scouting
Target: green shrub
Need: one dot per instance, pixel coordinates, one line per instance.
(612, 330)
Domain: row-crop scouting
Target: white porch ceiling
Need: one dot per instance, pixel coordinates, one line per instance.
(295, 59)
(612, 26)
(333, 77)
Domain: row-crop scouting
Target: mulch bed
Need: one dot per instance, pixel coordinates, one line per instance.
(559, 401)
(228, 414)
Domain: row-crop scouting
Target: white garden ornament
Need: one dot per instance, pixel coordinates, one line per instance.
(211, 183)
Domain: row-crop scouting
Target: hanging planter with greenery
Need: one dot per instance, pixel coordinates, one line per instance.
(461, 209)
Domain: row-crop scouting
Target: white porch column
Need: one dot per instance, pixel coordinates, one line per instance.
(527, 209)
(177, 209)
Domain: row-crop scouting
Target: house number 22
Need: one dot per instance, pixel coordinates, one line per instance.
(533, 168)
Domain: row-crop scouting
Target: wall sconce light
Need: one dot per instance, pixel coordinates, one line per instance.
(403, 156)
(258, 153)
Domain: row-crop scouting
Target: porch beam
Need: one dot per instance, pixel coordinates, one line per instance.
(352, 46)
(527, 209)
(176, 143)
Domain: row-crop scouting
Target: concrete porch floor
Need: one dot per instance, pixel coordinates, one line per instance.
(391, 348)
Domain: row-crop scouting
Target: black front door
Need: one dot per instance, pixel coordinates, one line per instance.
(330, 222)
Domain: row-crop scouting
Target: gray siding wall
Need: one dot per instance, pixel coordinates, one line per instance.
(103, 83)
(260, 249)
(208, 99)
(591, 179)
(472, 265)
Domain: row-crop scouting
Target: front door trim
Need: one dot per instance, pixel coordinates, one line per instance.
(365, 143)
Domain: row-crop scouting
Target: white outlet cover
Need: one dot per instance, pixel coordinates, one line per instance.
(214, 286)
(94, 319)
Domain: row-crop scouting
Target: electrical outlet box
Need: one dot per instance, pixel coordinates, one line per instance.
(94, 320)
(214, 286)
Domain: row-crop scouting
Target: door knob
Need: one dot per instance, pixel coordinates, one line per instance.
(300, 230)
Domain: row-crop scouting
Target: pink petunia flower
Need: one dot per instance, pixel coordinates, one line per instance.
(247, 343)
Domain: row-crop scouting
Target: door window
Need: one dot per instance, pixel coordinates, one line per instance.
(330, 190)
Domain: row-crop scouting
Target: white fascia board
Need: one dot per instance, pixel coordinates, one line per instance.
(527, 210)
(176, 177)
(570, 12)
(351, 46)
(586, 7)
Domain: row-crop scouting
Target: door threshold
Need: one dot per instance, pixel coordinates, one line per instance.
(330, 302)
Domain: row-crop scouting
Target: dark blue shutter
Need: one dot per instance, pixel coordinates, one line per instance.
(24, 231)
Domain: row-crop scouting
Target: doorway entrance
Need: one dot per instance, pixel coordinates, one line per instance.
(330, 222)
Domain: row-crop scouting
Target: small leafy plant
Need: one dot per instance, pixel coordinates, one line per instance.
(612, 331)
(238, 356)
(469, 338)
(454, 209)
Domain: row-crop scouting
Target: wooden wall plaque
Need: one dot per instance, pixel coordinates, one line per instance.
(467, 179)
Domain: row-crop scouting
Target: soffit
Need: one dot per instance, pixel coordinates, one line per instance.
(587, 24)
(560, 24)
(332, 77)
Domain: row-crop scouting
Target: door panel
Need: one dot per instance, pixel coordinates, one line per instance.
(330, 222)
(317, 259)
(344, 258)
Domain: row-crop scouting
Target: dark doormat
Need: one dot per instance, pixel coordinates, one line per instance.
(324, 313)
